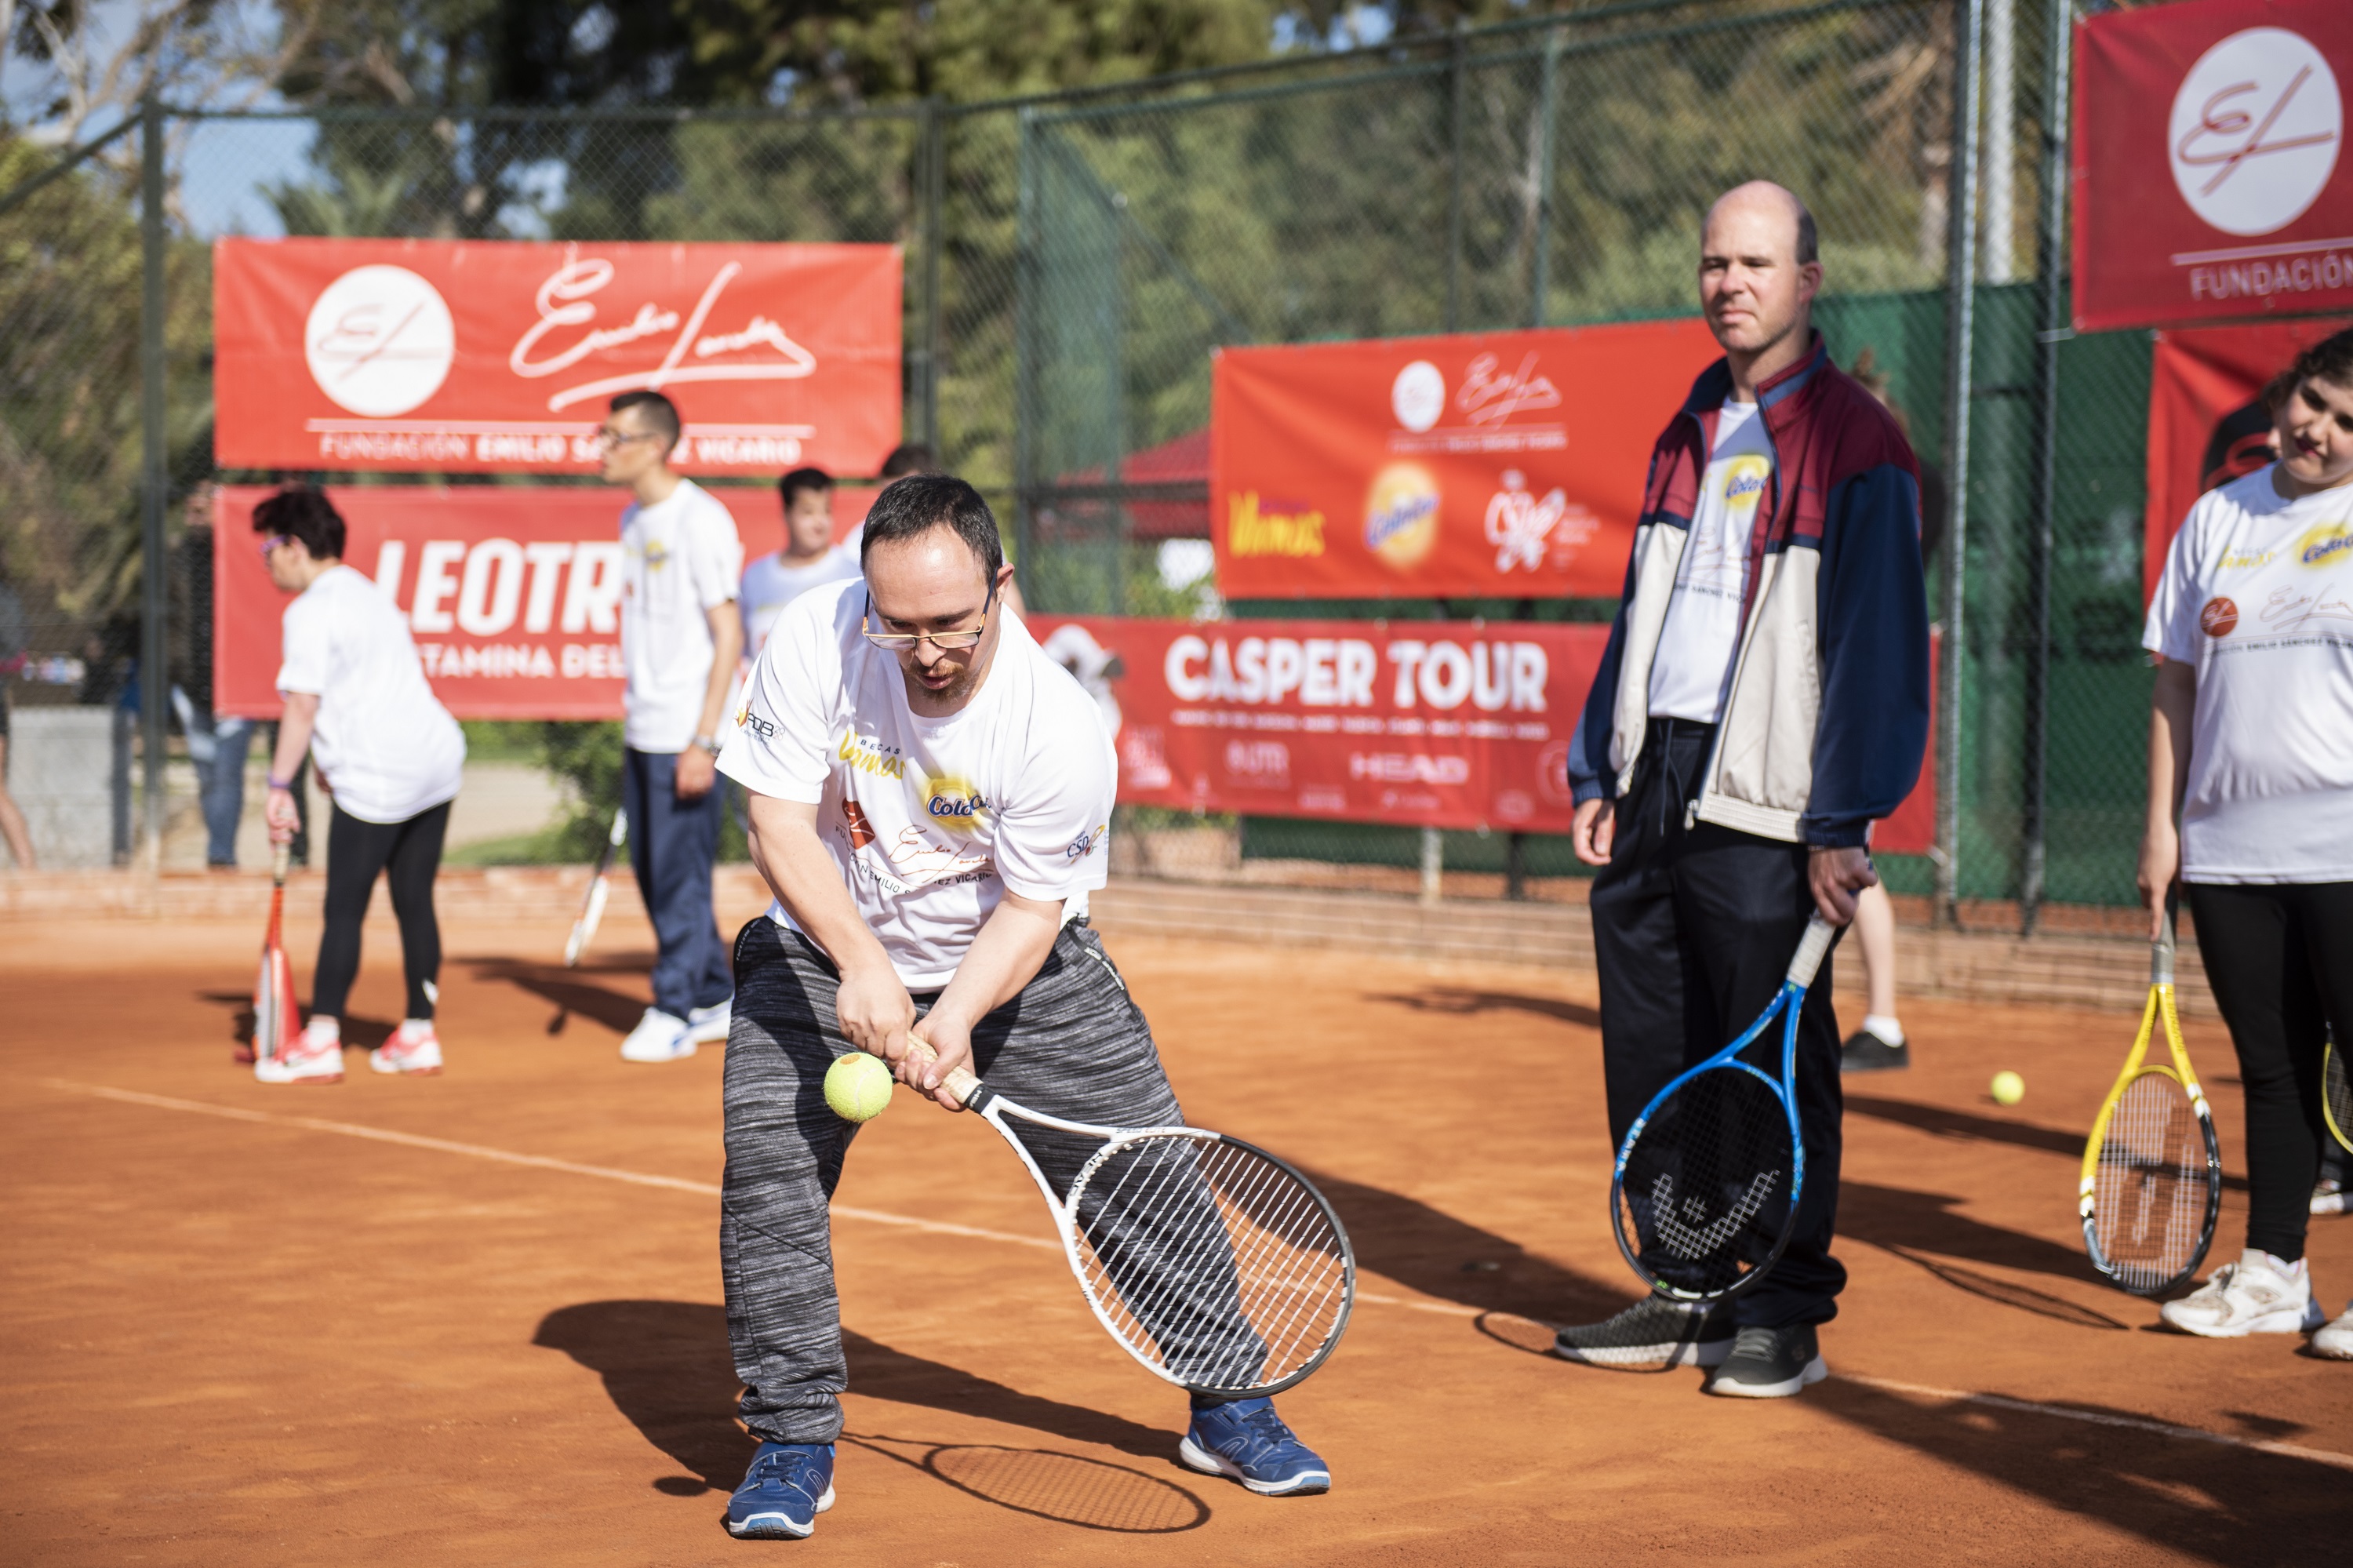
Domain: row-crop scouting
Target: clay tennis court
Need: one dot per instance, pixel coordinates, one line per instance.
(476, 1318)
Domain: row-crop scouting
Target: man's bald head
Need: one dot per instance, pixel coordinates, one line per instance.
(1758, 277)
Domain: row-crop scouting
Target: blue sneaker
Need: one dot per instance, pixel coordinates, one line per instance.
(788, 1485)
(1248, 1441)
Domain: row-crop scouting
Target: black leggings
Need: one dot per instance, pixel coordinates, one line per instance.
(2280, 958)
(409, 854)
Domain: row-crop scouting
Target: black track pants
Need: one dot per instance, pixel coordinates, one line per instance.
(408, 855)
(2280, 958)
(1692, 931)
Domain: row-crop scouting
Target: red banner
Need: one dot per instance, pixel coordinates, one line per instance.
(496, 356)
(1479, 465)
(2207, 168)
(2207, 421)
(513, 596)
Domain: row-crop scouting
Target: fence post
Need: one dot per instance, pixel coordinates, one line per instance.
(1540, 256)
(154, 678)
(1025, 352)
(2000, 144)
(1434, 864)
(2049, 249)
(1454, 135)
(931, 199)
(1961, 310)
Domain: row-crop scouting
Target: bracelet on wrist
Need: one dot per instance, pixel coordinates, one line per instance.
(285, 784)
(709, 743)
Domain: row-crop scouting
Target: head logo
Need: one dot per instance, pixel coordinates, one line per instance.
(954, 806)
(2325, 545)
(2254, 131)
(2218, 618)
(379, 340)
(1401, 515)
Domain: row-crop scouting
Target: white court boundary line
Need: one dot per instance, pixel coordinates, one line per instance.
(907, 1222)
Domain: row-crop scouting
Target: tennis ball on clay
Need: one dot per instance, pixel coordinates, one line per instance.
(2009, 1088)
(858, 1086)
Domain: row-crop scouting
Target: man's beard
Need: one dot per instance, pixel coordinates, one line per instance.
(955, 691)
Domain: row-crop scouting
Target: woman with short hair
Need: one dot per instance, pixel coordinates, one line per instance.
(388, 753)
(2250, 742)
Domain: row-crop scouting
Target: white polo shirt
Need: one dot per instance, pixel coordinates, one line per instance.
(2258, 595)
(679, 560)
(932, 821)
(384, 744)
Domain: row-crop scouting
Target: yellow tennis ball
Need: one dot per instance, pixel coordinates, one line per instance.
(858, 1086)
(2009, 1088)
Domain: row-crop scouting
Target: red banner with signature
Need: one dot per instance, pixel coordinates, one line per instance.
(2209, 179)
(466, 357)
(1487, 464)
(513, 596)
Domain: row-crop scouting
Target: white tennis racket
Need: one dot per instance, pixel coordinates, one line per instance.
(1215, 1264)
(593, 910)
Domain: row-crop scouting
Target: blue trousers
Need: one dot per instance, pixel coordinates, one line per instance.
(672, 845)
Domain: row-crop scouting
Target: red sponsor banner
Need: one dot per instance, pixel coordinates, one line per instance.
(480, 357)
(1494, 464)
(2209, 180)
(2207, 421)
(513, 596)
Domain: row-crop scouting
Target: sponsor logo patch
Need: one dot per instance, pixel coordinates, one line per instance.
(2325, 545)
(2218, 618)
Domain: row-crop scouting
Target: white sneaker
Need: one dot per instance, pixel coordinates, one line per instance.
(708, 1025)
(2328, 1196)
(2336, 1340)
(413, 1048)
(317, 1057)
(2256, 1295)
(659, 1037)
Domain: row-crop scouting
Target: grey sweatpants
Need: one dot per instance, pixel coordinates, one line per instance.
(1071, 1044)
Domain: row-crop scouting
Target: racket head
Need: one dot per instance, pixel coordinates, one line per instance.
(2156, 1184)
(2336, 1096)
(1705, 1196)
(1217, 1264)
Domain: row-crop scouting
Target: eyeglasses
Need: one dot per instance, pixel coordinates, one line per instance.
(274, 542)
(611, 439)
(947, 642)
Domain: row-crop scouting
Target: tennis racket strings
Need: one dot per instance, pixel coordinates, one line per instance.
(1211, 1260)
(2150, 1193)
(1705, 1193)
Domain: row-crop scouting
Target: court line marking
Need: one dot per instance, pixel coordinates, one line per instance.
(907, 1222)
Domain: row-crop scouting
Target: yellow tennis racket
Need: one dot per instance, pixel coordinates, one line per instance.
(2337, 1095)
(2152, 1186)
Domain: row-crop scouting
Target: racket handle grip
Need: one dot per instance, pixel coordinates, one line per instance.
(2160, 952)
(959, 1080)
(281, 860)
(1812, 949)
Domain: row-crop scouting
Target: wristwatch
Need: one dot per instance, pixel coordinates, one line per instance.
(709, 743)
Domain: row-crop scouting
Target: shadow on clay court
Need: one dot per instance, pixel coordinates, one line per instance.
(1940, 1122)
(1899, 1218)
(665, 1367)
(359, 1033)
(1462, 1002)
(572, 990)
(2226, 1505)
(1438, 1254)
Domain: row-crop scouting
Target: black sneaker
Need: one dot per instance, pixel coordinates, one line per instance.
(1770, 1363)
(1867, 1052)
(1653, 1331)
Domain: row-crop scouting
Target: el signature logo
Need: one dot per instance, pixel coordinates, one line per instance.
(2215, 119)
(1489, 398)
(565, 300)
(2265, 100)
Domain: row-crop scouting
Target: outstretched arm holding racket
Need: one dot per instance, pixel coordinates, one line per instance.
(929, 797)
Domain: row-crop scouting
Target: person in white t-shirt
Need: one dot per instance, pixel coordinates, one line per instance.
(680, 641)
(2251, 746)
(389, 754)
(929, 799)
(809, 559)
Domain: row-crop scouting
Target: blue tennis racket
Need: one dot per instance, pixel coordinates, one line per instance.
(1705, 1193)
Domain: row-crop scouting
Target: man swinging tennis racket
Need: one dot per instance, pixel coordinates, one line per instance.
(929, 801)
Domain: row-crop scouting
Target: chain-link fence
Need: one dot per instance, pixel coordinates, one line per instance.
(1072, 262)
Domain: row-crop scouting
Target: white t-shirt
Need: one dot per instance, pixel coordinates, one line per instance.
(933, 820)
(1701, 637)
(2258, 594)
(679, 560)
(384, 744)
(772, 582)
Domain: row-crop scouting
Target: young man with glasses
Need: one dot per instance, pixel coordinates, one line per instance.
(681, 638)
(930, 797)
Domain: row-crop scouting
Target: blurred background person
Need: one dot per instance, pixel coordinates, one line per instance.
(809, 557)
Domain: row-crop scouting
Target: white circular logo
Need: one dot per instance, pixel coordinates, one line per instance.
(2256, 130)
(1418, 396)
(379, 340)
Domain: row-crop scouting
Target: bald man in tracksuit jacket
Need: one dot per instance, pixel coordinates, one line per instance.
(1821, 729)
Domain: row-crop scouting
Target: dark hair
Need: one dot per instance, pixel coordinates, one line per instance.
(914, 505)
(1808, 242)
(2330, 360)
(661, 413)
(305, 514)
(909, 457)
(802, 479)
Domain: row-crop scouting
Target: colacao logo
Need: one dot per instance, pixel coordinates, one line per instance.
(953, 804)
(867, 755)
(2324, 545)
